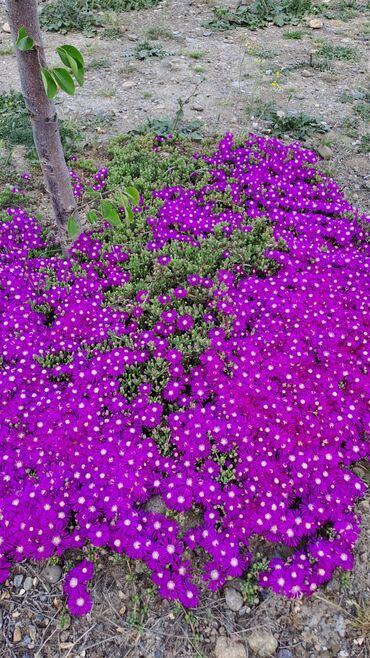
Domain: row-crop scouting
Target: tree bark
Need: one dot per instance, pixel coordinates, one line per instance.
(43, 115)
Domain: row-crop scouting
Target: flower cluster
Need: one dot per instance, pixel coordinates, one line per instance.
(256, 433)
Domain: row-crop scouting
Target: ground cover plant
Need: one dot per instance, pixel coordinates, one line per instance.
(83, 15)
(211, 351)
(259, 14)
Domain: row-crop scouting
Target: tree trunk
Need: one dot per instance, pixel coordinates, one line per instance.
(43, 115)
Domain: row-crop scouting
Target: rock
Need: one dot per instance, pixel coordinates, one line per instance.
(28, 583)
(305, 73)
(325, 151)
(18, 580)
(284, 653)
(52, 574)
(17, 635)
(226, 648)
(340, 626)
(132, 37)
(234, 599)
(128, 84)
(197, 108)
(6, 28)
(263, 643)
(316, 23)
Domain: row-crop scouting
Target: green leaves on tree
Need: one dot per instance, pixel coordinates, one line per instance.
(109, 213)
(63, 77)
(24, 42)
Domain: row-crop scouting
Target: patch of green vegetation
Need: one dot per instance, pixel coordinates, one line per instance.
(15, 125)
(249, 587)
(350, 126)
(81, 15)
(6, 50)
(362, 109)
(175, 125)
(259, 14)
(146, 49)
(343, 10)
(8, 198)
(112, 33)
(98, 63)
(298, 125)
(294, 34)
(330, 51)
(352, 95)
(157, 33)
(196, 54)
(64, 16)
(364, 146)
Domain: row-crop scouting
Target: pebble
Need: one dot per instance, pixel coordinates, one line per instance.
(128, 85)
(6, 28)
(28, 583)
(132, 37)
(263, 643)
(17, 635)
(307, 74)
(18, 580)
(340, 626)
(325, 151)
(197, 108)
(52, 574)
(234, 599)
(316, 23)
(226, 648)
(284, 653)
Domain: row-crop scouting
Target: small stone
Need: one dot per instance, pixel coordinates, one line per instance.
(340, 626)
(17, 635)
(52, 574)
(305, 73)
(128, 85)
(234, 599)
(18, 580)
(226, 648)
(6, 28)
(316, 23)
(155, 505)
(197, 108)
(325, 151)
(263, 643)
(132, 37)
(284, 653)
(28, 583)
(66, 645)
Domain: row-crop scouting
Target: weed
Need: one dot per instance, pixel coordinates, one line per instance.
(331, 51)
(7, 50)
(196, 54)
(351, 95)
(98, 63)
(343, 10)
(350, 126)
(112, 33)
(298, 125)
(294, 34)
(66, 15)
(259, 14)
(107, 93)
(364, 146)
(173, 125)
(362, 109)
(121, 5)
(145, 50)
(157, 33)
(198, 68)
(15, 125)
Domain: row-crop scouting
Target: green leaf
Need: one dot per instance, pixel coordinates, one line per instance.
(73, 52)
(64, 80)
(72, 58)
(50, 86)
(91, 217)
(24, 42)
(129, 214)
(133, 195)
(73, 228)
(110, 214)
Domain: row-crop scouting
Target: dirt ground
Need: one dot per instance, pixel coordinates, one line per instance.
(226, 77)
